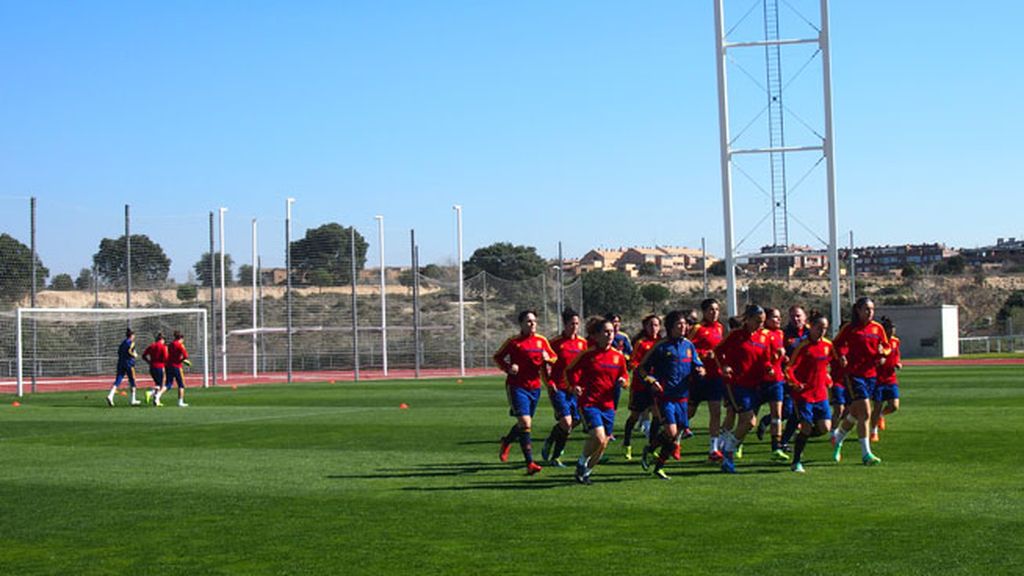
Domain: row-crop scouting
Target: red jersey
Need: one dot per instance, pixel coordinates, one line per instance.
(865, 345)
(642, 346)
(155, 354)
(807, 370)
(706, 337)
(530, 353)
(176, 354)
(779, 342)
(887, 371)
(566, 350)
(596, 372)
(749, 354)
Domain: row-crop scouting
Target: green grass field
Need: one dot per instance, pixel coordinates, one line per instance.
(336, 479)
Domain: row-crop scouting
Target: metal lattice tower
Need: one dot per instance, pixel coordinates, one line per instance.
(777, 148)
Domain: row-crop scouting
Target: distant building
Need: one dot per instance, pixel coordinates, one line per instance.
(600, 259)
(886, 259)
(670, 260)
(273, 276)
(1005, 252)
(798, 260)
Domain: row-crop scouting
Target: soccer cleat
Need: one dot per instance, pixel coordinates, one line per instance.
(715, 456)
(780, 456)
(556, 463)
(645, 458)
(728, 464)
(136, 403)
(110, 401)
(532, 468)
(149, 396)
(157, 403)
(874, 436)
(797, 467)
(503, 452)
(181, 404)
(739, 451)
(545, 452)
(687, 433)
(762, 427)
(677, 452)
(837, 451)
(870, 459)
(881, 422)
(660, 474)
(629, 452)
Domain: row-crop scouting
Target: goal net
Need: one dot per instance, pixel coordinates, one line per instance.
(54, 347)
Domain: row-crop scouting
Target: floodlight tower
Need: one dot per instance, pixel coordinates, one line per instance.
(777, 148)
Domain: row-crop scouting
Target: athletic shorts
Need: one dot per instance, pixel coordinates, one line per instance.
(595, 417)
(885, 392)
(811, 412)
(565, 404)
(640, 400)
(772, 391)
(706, 390)
(746, 399)
(862, 388)
(174, 375)
(157, 374)
(521, 402)
(787, 406)
(674, 412)
(123, 371)
(839, 396)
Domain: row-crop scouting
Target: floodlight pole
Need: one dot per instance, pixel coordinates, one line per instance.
(213, 308)
(383, 298)
(830, 170)
(724, 159)
(462, 303)
(128, 258)
(288, 277)
(255, 272)
(355, 302)
(35, 327)
(414, 254)
(704, 265)
(223, 303)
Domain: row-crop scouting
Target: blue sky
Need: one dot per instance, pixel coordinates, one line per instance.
(590, 122)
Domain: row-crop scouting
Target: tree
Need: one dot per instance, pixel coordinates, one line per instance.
(648, 269)
(16, 269)
(84, 280)
(62, 282)
(320, 278)
(506, 261)
(717, 268)
(655, 294)
(953, 265)
(613, 291)
(187, 292)
(1008, 314)
(909, 272)
(202, 269)
(329, 248)
(245, 274)
(149, 263)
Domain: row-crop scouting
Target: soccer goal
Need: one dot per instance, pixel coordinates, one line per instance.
(56, 347)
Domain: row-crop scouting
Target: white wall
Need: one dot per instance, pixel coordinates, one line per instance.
(925, 331)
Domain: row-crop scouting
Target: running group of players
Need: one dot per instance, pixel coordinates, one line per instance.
(165, 367)
(812, 386)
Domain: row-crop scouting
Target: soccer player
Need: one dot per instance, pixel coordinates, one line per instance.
(177, 356)
(705, 336)
(862, 346)
(640, 398)
(567, 346)
(887, 393)
(621, 343)
(524, 359)
(125, 367)
(745, 357)
(807, 373)
(596, 373)
(839, 399)
(773, 391)
(156, 356)
(667, 369)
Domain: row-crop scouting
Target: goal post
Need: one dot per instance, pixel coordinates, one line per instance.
(64, 345)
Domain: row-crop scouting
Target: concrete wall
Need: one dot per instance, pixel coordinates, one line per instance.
(925, 331)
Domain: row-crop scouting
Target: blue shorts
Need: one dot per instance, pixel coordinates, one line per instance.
(640, 400)
(811, 412)
(706, 390)
(597, 417)
(746, 399)
(521, 402)
(787, 406)
(565, 404)
(674, 412)
(157, 374)
(123, 371)
(862, 388)
(772, 391)
(174, 375)
(885, 392)
(839, 396)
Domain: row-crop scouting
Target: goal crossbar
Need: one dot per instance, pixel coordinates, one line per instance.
(129, 313)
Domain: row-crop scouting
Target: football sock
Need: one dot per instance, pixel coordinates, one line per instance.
(865, 446)
(714, 444)
(792, 423)
(561, 436)
(801, 441)
(841, 433)
(628, 437)
(526, 443)
(513, 434)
